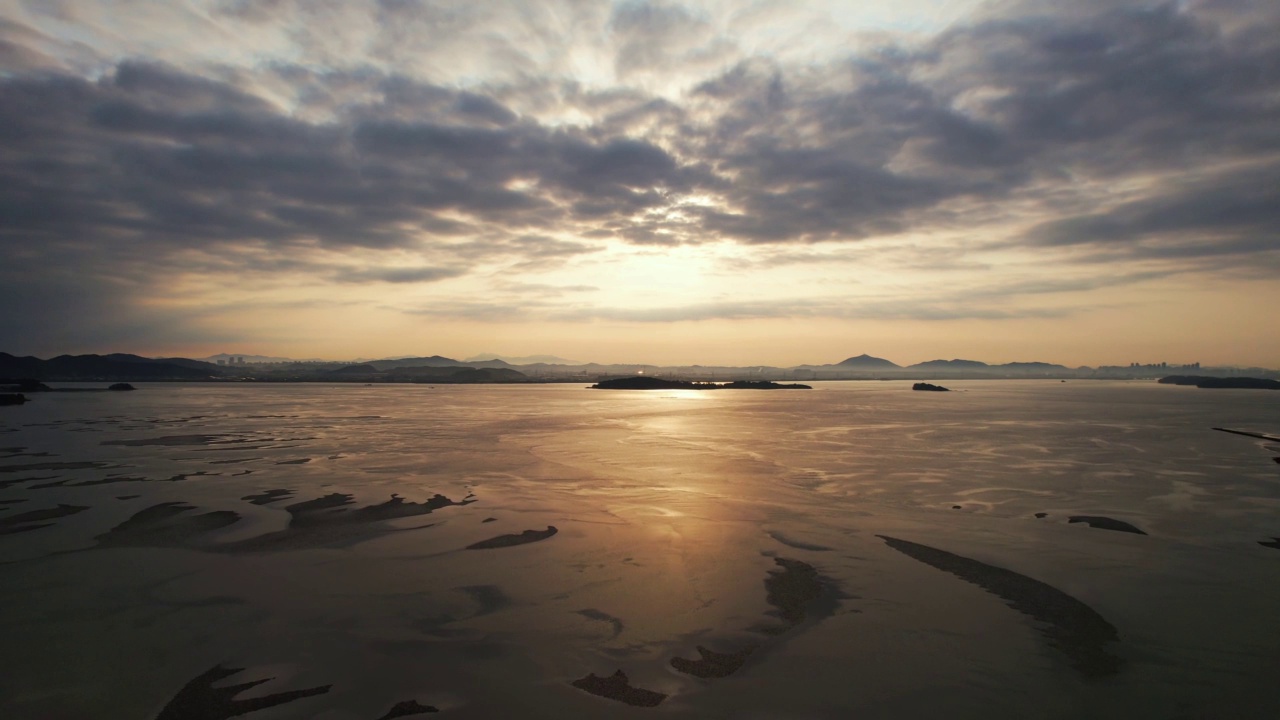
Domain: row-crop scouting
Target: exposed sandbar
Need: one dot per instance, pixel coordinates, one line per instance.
(1246, 433)
(1105, 523)
(81, 465)
(22, 521)
(604, 617)
(618, 687)
(166, 525)
(407, 708)
(1071, 626)
(791, 589)
(524, 538)
(328, 522)
(266, 497)
(797, 544)
(168, 441)
(200, 700)
(712, 664)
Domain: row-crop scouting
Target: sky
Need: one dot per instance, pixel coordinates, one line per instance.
(733, 183)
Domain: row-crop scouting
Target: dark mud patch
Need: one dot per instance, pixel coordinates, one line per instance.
(792, 589)
(266, 497)
(1273, 543)
(604, 617)
(796, 591)
(1041, 515)
(299, 461)
(329, 521)
(489, 520)
(15, 454)
(1246, 433)
(524, 538)
(618, 687)
(23, 522)
(127, 497)
(82, 465)
(797, 544)
(110, 479)
(6, 483)
(1105, 523)
(407, 708)
(168, 524)
(13, 501)
(200, 700)
(169, 441)
(712, 664)
(1072, 627)
(233, 462)
(488, 598)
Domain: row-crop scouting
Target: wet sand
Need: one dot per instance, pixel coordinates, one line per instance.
(734, 555)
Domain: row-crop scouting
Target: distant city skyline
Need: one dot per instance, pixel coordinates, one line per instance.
(1084, 183)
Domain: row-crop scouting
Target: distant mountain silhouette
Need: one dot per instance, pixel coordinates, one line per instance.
(207, 367)
(98, 367)
(488, 364)
(1033, 367)
(949, 365)
(361, 369)
(369, 372)
(867, 362)
(433, 361)
(251, 358)
(522, 360)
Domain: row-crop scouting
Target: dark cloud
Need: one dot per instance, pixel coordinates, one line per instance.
(397, 274)
(117, 174)
(652, 36)
(955, 308)
(1228, 213)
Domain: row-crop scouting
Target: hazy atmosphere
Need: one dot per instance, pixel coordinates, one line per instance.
(716, 182)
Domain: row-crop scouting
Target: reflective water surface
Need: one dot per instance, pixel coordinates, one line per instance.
(857, 550)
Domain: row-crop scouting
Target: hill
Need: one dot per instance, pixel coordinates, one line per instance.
(449, 374)
(522, 360)
(117, 367)
(412, 362)
(952, 365)
(867, 362)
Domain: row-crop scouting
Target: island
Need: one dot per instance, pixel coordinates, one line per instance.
(646, 382)
(929, 387)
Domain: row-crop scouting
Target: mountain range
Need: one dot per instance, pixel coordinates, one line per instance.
(437, 368)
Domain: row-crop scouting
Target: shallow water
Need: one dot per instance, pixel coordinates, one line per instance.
(672, 510)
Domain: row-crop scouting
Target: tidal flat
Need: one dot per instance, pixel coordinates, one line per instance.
(1009, 549)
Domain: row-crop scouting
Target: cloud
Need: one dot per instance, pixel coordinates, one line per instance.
(524, 136)
(1231, 212)
(397, 275)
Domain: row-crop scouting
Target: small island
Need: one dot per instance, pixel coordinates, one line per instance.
(930, 388)
(645, 382)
